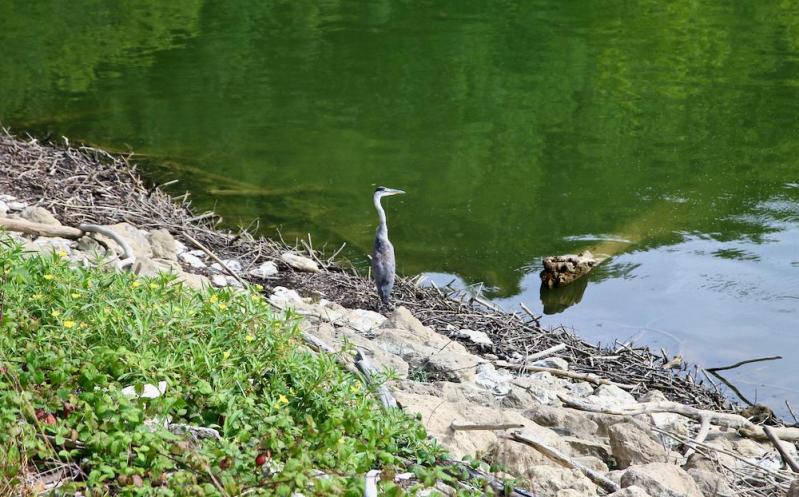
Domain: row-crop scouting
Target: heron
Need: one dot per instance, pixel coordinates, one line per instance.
(383, 261)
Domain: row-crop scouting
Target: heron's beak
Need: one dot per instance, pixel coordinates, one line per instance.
(394, 192)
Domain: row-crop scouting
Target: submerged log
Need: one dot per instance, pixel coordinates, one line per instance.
(560, 270)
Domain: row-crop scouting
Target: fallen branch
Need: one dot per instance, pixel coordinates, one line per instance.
(778, 445)
(704, 429)
(557, 456)
(487, 427)
(589, 377)
(215, 258)
(745, 427)
(748, 361)
(38, 229)
(364, 365)
(127, 251)
(546, 352)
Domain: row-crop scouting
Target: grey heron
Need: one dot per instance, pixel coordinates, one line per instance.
(383, 261)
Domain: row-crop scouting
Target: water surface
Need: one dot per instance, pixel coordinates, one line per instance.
(664, 133)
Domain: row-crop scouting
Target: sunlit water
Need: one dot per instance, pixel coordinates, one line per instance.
(662, 133)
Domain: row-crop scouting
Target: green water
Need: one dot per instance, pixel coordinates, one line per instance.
(519, 128)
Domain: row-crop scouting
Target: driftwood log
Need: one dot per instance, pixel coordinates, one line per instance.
(560, 270)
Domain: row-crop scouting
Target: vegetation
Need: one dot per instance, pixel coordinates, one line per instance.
(72, 339)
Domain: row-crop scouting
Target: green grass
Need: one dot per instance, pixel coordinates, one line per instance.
(71, 339)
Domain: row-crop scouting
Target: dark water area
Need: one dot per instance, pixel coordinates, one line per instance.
(664, 134)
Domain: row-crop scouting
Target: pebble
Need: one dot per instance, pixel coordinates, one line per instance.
(192, 260)
(219, 280)
(16, 206)
(264, 271)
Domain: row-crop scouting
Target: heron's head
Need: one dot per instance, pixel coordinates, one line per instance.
(382, 191)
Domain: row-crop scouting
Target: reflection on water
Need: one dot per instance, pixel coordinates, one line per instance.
(520, 129)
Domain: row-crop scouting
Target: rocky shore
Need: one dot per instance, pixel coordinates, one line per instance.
(554, 424)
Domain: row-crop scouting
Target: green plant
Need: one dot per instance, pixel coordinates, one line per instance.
(71, 339)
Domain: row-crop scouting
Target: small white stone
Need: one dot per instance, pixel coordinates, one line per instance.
(299, 262)
(198, 253)
(180, 247)
(476, 337)
(3, 208)
(149, 391)
(16, 206)
(264, 271)
(552, 363)
(192, 260)
(285, 298)
(364, 321)
(219, 280)
(6, 198)
(231, 281)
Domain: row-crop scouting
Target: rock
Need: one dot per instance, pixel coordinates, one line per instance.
(180, 247)
(568, 492)
(517, 458)
(552, 362)
(583, 447)
(39, 215)
(3, 208)
(233, 264)
(710, 483)
(299, 262)
(192, 260)
(632, 491)
(632, 445)
(145, 266)
(15, 205)
(793, 491)
(547, 481)
(611, 396)
(54, 244)
(580, 389)
(518, 398)
(497, 382)
(284, 298)
(149, 391)
(163, 245)
(592, 462)
(194, 281)
(479, 338)
(6, 198)
(402, 319)
(136, 238)
(451, 392)
(661, 479)
(653, 396)
(219, 280)
(564, 421)
(363, 320)
(265, 270)
(540, 391)
(89, 244)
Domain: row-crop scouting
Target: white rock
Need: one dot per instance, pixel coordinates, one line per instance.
(219, 280)
(3, 208)
(6, 198)
(284, 298)
(233, 264)
(149, 391)
(497, 382)
(632, 445)
(180, 247)
(264, 271)
(611, 396)
(14, 205)
(198, 253)
(233, 282)
(299, 262)
(363, 320)
(39, 215)
(553, 363)
(661, 479)
(192, 260)
(54, 244)
(163, 244)
(476, 337)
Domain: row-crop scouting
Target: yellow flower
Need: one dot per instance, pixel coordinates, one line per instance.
(259, 287)
(55, 314)
(69, 324)
(153, 285)
(36, 296)
(83, 326)
(225, 354)
(213, 299)
(355, 388)
(249, 338)
(62, 253)
(136, 284)
(48, 276)
(74, 295)
(255, 298)
(282, 400)
(223, 306)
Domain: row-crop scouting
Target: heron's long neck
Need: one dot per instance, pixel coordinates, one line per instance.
(382, 228)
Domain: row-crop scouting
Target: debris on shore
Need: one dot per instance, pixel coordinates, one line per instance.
(564, 417)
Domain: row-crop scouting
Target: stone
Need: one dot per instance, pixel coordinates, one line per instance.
(517, 458)
(552, 362)
(145, 266)
(539, 390)
(793, 491)
(194, 281)
(710, 483)
(518, 398)
(265, 270)
(219, 280)
(497, 382)
(283, 298)
(583, 447)
(6, 198)
(180, 247)
(192, 260)
(568, 492)
(611, 396)
(451, 392)
(479, 338)
(89, 244)
(592, 462)
(136, 238)
(233, 264)
(163, 245)
(15, 205)
(661, 479)
(363, 320)
(39, 215)
(3, 208)
(403, 319)
(547, 480)
(54, 244)
(632, 491)
(299, 262)
(564, 421)
(632, 445)
(580, 389)
(653, 396)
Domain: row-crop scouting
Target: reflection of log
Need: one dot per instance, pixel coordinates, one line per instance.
(561, 270)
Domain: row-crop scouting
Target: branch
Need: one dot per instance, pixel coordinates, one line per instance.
(555, 455)
(127, 251)
(488, 427)
(589, 377)
(748, 361)
(39, 229)
(778, 445)
(215, 258)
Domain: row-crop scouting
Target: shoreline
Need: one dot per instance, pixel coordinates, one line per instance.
(487, 370)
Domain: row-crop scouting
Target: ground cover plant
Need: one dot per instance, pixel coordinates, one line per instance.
(71, 339)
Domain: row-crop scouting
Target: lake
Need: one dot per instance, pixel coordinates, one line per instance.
(664, 134)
